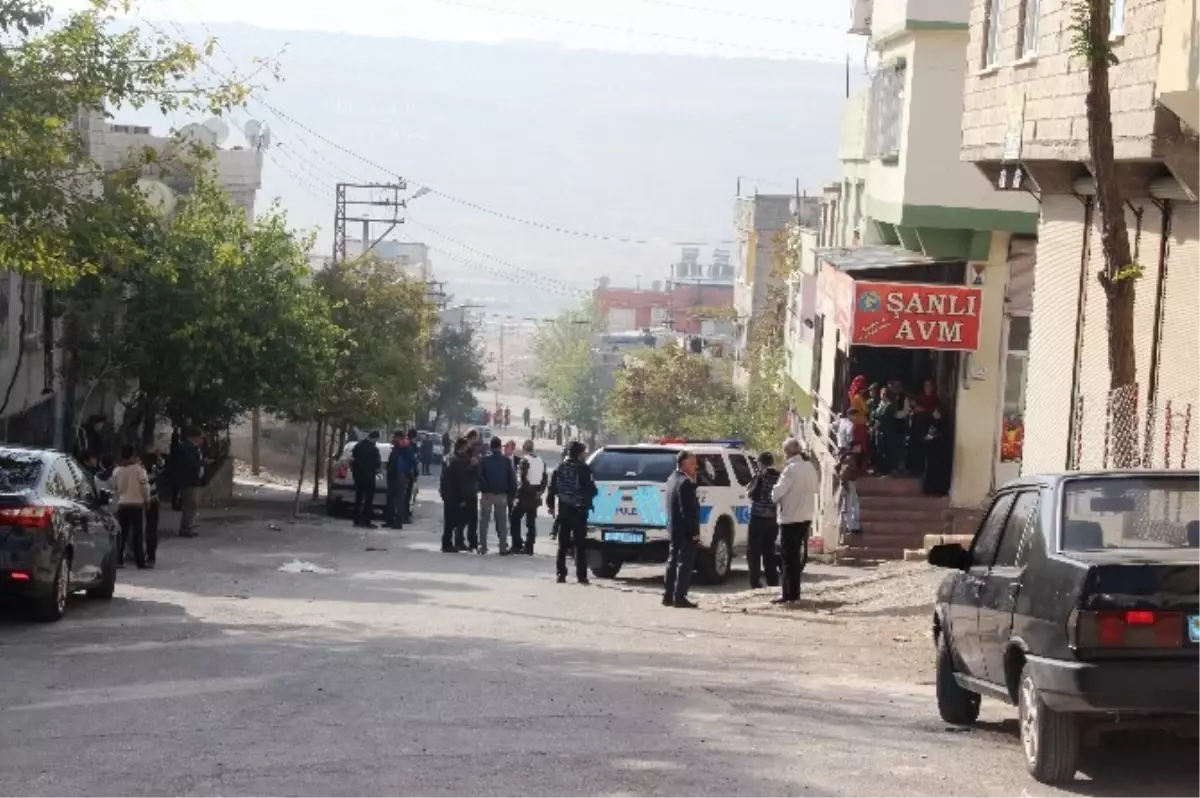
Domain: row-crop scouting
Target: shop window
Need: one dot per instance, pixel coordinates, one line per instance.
(1016, 370)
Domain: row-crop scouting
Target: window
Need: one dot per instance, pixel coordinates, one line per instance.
(991, 33)
(84, 481)
(1014, 544)
(60, 481)
(19, 471)
(741, 469)
(1028, 32)
(641, 465)
(983, 548)
(1116, 15)
(711, 471)
(1126, 513)
(886, 110)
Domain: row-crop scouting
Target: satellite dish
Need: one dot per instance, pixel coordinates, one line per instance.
(252, 128)
(198, 134)
(264, 138)
(219, 129)
(158, 195)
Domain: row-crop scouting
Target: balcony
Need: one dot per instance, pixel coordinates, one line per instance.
(1179, 62)
(891, 17)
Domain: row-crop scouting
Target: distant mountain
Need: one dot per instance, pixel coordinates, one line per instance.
(631, 146)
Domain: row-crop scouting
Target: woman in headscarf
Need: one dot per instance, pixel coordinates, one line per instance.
(858, 415)
(938, 455)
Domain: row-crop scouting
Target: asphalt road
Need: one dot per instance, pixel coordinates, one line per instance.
(407, 671)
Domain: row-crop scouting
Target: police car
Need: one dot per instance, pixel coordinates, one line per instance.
(628, 521)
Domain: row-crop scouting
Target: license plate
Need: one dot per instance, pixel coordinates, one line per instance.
(1194, 628)
(624, 537)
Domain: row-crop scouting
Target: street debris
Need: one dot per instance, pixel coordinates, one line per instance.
(302, 567)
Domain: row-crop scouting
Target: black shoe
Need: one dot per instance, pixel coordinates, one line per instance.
(779, 601)
(562, 579)
(142, 566)
(528, 552)
(585, 581)
(188, 535)
(506, 552)
(149, 564)
(120, 564)
(684, 604)
(756, 586)
(668, 601)
(369, 525)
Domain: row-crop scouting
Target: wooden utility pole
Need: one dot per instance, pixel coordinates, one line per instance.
(255, 441)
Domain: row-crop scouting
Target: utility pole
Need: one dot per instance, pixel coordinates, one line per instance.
(362, 198)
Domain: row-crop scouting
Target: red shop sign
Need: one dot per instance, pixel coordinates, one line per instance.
(917, 316)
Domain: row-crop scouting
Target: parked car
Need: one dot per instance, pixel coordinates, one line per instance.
(1078, 602)
(339, 495)
(56, 537)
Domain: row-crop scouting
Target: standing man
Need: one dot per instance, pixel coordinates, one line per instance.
(189, 476)
(414, 481)
(795, 496)
(508, 416)
(399, 473)
(497, 489)
(153, 464)
(764, 527)
(456, 488)
(525, 417)
(365, 462)
(683, 524)
(572, 488)
(531, 484)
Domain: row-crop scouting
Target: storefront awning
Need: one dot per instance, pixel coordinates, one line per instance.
(876, 256)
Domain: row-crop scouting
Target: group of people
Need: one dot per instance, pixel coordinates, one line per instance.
(782, 508)
(485, 486)
(135, 482)
(886, 431)
(408, 458)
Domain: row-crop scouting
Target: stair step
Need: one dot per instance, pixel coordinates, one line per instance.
(919, 531)
(874, 513)
(871, 553)
(889, 486)
(919, 502)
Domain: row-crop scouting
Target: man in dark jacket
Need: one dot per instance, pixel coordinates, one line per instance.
(399, 476)
(572, 489)
(189, 476)
(365, 462)
(683, 523)
(497, 489)
(427, 454)
(457, 487)
(764, 527)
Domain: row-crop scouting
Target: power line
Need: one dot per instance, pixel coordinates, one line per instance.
(746, 15)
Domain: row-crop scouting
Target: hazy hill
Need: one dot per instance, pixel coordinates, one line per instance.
(626, 145)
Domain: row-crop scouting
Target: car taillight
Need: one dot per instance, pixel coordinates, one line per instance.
(342, 470)
(31, 517)
(1126, 629)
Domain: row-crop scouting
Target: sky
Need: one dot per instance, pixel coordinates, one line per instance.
(811, 29)
(783, 30)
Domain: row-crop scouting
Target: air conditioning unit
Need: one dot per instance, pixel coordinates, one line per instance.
(860, 17)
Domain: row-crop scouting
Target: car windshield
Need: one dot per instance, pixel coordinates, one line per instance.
(642, 465)
(1130, 513)
(18, 471)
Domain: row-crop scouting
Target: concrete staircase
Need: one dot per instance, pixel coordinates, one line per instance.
(896, 517)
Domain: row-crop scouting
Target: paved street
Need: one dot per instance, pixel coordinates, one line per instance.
(406, 671)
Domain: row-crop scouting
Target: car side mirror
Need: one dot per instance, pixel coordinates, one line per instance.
(950, 555)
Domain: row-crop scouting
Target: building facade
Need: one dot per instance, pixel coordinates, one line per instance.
(1025, 115)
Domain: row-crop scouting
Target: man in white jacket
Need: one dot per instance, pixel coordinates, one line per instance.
(795, 497)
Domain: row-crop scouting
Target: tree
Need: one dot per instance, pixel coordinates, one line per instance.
(567, 380)
(458, 361)
(385, 370)
(1091, 25)
(670, 392)
(763, 403)
(201, 317)
(50, 71)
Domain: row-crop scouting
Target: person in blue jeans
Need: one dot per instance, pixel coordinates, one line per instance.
(402, 462)
(497, 490)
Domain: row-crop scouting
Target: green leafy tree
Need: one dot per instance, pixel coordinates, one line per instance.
(51, 71)
(567, 380)
(201, 317)
(385, 371)
(761, 406)
(459, 372)
(671, 392)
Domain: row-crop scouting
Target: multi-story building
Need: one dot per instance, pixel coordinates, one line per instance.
(681, 305)
(41, 409)
(760, 222)
(1025, 119)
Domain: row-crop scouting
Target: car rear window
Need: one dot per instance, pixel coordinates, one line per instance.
(19, 471)
(1130, 513)
(641, 465)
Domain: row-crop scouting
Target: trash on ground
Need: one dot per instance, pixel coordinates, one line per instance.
(302, 567)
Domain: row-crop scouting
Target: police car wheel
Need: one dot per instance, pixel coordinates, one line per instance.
(607, 569)
(716, 561)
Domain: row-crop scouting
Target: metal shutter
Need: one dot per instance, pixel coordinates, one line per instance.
(1176, 425)
(1053, 325)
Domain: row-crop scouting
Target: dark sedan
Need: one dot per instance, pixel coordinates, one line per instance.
(1079, 602)
(56, 536)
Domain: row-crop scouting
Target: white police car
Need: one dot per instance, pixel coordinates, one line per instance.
(628, 522)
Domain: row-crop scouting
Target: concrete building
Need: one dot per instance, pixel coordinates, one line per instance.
(41, 409)
(1025, 119)
(760, 221)
(671, 306)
